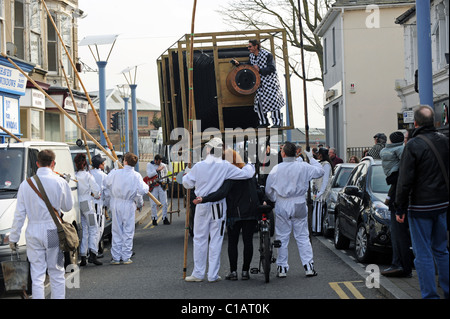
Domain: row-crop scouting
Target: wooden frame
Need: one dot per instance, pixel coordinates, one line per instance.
(173, 75)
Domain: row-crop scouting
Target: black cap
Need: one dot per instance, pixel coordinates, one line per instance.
(397, 137)
(97, 160)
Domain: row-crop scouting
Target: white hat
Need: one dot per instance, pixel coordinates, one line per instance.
(215, 142)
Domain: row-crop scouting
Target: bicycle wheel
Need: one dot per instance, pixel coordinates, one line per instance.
(267, 254)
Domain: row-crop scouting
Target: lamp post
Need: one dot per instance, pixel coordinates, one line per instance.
(96, 41)
(131, 80)
(125, 94)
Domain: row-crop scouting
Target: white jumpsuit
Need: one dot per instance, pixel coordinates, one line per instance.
(159, 193)
(126, 187)
(41, 234)
(320, 187)
(87, 186)
(99, 203)
(209, 220)
(287, 185)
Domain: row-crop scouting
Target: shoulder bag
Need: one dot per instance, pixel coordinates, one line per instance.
(67, 233)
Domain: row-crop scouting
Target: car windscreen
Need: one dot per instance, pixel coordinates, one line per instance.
(342, 178)
(11, 168)
(378, 180)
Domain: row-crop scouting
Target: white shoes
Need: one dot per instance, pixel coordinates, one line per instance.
(192, 279)
(282, 272)
(309, 269)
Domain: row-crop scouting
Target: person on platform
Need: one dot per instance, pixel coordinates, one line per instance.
(269, 97)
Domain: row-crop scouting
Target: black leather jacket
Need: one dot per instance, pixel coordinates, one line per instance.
(421, 184)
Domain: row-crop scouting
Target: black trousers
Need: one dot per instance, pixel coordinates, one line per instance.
(248, 229)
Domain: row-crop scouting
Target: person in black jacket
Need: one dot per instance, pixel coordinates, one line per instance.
(242, 200)
(422, 192)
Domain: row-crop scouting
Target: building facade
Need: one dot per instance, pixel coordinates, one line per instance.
(363, 57)
(28, 35)
(406, 87)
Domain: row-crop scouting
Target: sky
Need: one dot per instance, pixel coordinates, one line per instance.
(146, 29)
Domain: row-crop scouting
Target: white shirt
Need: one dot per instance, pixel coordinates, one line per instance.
(208, 175)
(86, 186)
(100, 177)
(30, 205)
(290, 178)
(151, 170)
(125, 184)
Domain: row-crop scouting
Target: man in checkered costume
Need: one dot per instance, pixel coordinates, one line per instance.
(269, 97)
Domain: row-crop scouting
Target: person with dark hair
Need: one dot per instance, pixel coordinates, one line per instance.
(101, 204)
(43, 250)
(320, 187)
(380, 142)
(401, 265)
(269, 97)
(156, 171)
(126, 189)
(242, 200)
(422, 193)
(88, 189)
(209, 219)
(287, 185)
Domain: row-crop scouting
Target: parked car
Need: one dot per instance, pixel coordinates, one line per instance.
(361, 215)
(337, 182)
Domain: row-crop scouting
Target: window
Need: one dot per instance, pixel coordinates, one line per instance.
(143, 121)
(52, 47)
(2, 23)
(66, 35)
(334, 46)
(52, 127)
(35, 33)
(19, 28)
(36, 120)
(70, 129)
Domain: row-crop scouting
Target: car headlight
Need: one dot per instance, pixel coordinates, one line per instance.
(381, 210)
(4, 237)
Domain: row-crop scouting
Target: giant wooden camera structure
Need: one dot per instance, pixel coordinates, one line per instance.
(223, 93)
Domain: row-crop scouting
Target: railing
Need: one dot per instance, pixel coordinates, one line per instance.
(357, 151)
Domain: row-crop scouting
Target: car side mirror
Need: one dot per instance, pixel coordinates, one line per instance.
(352, 190)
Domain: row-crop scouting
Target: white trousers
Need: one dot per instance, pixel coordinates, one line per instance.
(100, 211)
(317, 214)
(209, 222)
(123, 226)
(160, 195)
(292, 216)
(44, 255)
(90, 231)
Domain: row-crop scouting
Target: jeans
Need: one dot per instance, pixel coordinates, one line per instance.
(429, 240)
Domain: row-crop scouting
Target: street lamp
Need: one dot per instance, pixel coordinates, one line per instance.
(97, 40)
(131, 80)
(124, 90)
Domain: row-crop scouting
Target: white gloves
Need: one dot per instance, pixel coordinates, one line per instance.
(309, 154)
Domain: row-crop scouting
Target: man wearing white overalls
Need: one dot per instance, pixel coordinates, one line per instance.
(126, 187)
(209, 220)
(158, 169)
(41, 235)
(287, 185)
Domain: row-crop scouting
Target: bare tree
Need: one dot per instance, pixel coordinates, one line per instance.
(270, 14)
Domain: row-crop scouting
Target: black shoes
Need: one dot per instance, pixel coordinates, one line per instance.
(93, 259)
(166, 221)
(394, 271)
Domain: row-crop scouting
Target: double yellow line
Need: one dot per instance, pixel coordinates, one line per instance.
(349, 285)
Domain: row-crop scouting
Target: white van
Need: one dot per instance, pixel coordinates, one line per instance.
(18, 162)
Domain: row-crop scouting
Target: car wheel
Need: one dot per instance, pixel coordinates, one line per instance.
(326, 231)
(340, 241)
(363, 253)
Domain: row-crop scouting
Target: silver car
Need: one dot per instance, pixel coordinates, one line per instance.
(337, 182)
